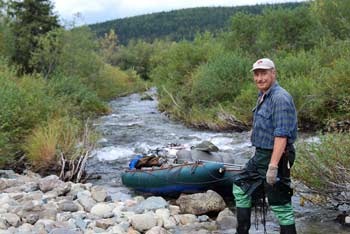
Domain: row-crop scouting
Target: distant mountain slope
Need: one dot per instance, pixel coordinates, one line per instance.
(177, 24)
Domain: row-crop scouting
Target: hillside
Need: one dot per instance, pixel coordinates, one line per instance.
(177, 24)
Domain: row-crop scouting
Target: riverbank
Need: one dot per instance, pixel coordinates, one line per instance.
(32, 204)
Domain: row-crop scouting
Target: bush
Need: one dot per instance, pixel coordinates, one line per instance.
(24, 104)
(81, 101)
(113, 82)
(220, 80)
(323, 166)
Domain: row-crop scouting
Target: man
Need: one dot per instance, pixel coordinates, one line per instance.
(273, 135)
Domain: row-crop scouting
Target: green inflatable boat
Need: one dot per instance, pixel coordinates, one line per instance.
(172, 180)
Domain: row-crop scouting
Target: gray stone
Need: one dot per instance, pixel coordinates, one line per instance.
(49, 183)
(206, 146)
(124, 225)
(152, 203)
(50, 195)
(85, 199)
(25, 228)
(46, 224)
(143, 222)
(104, 223)
(9, 174)
(30, 218)
(14, 189)
(49, 213)
(3, 224)
(225, 212)
(81, 223)
(102, 210)
(203, 218)
(30, 187)
(226, 220)
(171, 222)
(174, 210)
(64, 231)
(75, 189)
(118, 230)
(188, 219)
(157, 230)
(3, 184)
(63, 217)
(79, 214)
(16, 196)
(11, 219)
(99, 193)
(36, 195)
(193, 204)
(63, 189)
(31, 206)
(68, 206)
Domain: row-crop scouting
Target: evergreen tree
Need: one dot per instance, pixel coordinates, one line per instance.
(30, 19)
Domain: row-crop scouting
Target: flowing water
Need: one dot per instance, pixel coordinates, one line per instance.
(136, 126)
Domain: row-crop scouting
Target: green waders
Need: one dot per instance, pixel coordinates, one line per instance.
(279, 195)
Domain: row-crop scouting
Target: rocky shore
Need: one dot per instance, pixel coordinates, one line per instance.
(32, 204)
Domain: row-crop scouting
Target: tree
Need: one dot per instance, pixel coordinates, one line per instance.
(30, 19)
(109, 46)
(334, 15)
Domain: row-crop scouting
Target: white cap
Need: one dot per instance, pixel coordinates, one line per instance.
(263, 63)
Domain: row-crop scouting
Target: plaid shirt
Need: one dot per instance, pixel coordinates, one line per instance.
(274, 116)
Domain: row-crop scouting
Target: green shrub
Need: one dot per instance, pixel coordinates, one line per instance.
(245, 102)
(323, 166)
(113, 82)
(81, 101)
(24, 104)
(220, 80)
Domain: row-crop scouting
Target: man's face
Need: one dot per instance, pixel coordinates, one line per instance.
(264, 78)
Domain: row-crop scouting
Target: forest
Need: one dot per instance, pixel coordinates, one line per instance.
(52, 75)
(178, 25)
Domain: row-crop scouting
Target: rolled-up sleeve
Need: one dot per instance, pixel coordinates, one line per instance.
(284, 116)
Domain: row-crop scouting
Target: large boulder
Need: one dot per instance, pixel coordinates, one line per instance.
(193, 204)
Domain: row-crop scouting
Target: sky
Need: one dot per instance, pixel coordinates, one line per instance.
(95, 11)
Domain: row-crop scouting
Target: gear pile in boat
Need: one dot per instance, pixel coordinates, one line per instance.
(159, 175)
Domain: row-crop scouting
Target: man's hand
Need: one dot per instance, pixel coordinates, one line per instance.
(271, 174)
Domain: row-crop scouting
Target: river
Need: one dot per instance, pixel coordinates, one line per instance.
(137, 126)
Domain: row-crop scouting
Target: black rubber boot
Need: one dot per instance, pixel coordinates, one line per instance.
(243, 220)
(288, 229)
